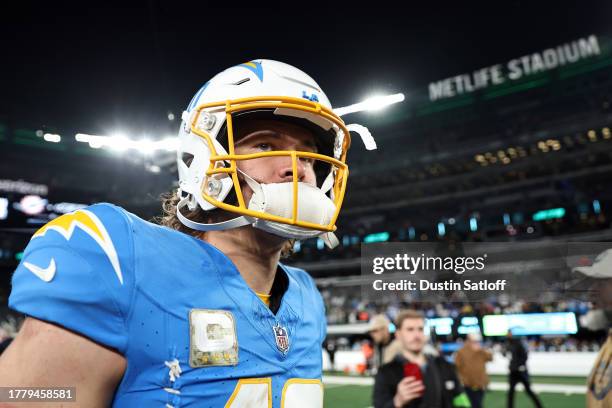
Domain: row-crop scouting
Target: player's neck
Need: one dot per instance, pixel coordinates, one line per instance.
(255, 253)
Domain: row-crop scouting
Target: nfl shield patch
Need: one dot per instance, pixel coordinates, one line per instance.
(282, 338)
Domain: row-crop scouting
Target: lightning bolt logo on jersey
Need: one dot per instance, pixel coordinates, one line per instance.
(192, 331)
(90, 224)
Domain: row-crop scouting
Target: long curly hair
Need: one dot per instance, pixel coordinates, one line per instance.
(169, 219)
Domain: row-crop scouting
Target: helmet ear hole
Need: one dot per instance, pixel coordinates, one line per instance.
(187, 158)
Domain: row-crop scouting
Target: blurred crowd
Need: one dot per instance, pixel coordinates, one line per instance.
(345, 307)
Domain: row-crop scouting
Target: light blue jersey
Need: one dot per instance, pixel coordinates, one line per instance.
(193, 333)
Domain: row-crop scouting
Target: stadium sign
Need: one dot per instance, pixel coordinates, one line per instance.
(23, 187)
(515, 69)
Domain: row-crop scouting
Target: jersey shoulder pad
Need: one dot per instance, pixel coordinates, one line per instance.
(77, 271)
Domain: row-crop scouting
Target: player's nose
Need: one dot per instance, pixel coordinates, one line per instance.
(285, 169)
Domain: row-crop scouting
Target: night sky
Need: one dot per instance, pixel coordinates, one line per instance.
(97, 67)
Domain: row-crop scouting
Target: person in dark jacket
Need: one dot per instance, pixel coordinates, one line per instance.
(414, 380)
(518, 370)
(386, 346)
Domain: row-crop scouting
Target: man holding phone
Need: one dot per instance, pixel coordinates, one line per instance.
(413, 379)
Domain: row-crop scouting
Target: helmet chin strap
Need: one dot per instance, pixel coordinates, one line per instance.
(199, 226)
(330, 240)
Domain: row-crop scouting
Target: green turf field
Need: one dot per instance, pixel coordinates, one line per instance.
(360, 396)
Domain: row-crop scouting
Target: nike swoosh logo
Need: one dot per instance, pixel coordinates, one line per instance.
(46, 274)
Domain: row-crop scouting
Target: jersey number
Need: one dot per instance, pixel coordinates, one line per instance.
(257, 393)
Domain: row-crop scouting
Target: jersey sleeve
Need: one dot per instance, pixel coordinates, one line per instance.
(78, 272)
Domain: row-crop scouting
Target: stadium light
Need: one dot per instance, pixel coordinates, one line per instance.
(146, 146)
(473, 224)
(120, 142)
(82, 137)
(374, 103)
(49, 137)
(168, 144)
(441, 229)
(549, 214)
(376, 237)
(411, 233)
(596, 207)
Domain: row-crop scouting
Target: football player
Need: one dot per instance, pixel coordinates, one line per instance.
(198, 311)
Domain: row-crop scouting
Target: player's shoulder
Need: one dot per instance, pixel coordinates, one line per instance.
(78, 272)
(102, 222)
(99, 235)
(99, 221)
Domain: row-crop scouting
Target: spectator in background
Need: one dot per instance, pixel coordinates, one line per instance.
(5, 340)
(330, 346)
(414, 379)
(386, 347)
(599, 280)
(518, 370)
(368, 354)
(471, 362)
(8, 329)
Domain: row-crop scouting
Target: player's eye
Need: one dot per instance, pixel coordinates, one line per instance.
(264, 147)
(307, 160)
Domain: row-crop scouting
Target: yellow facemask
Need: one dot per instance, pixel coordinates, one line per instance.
(226, 164)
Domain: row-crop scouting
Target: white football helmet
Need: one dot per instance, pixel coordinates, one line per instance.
(207, 163)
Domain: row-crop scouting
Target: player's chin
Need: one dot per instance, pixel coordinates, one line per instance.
(269, 238)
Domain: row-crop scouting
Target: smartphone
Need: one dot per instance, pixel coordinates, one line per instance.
(413, 370)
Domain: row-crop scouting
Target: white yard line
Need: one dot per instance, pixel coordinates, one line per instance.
(554, 388)
(339, 380)
(495, 386)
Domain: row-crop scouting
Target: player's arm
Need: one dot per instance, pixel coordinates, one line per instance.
(75, 283)
(47, 355)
